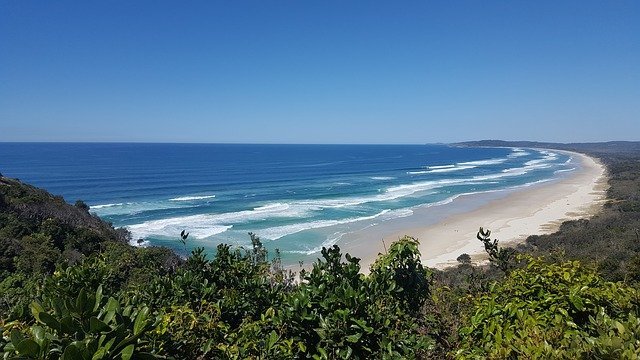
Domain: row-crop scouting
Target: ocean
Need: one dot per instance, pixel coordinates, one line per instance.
(297, 198)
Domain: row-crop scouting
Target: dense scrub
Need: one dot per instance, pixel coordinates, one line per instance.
(71, 287)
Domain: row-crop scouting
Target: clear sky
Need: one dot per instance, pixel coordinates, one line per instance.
(319, 71)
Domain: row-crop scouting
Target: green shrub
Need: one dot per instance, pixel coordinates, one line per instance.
(561, 311)
(84, 328)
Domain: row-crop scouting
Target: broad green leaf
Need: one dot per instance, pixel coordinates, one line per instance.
(109, 316)
(49, 320)
(81, 301)
(141, 321)
(354, 338)
(36, 309)
(323, 353)
(98, 298)
(16, 337)
(347, 353)
(27, 347)
(100, 354)
(96, 325)
(71, 352)
(271, 340)
(112, 305)
(38, 333)
(127, 352)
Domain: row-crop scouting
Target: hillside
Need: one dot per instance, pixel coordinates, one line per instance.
(617, 148)
(40, 232)
(37, 229)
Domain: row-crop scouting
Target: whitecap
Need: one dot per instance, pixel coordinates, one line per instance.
(272, 207)
(193, 198)
(104, 206)
(517, 152)
(563, 170)
(434, 167)
(442, 170)
(483, 162)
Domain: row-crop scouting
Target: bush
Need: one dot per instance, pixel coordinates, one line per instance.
(82, 328)
(560, 311)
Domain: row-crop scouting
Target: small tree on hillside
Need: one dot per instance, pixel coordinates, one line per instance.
(464, 259)
(498, 256)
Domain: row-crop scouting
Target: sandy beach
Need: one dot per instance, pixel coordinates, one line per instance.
(512, 215)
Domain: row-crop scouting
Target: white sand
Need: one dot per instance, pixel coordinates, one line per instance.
(536, 210)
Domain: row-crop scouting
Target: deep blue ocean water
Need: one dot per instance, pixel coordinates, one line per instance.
(297, 198)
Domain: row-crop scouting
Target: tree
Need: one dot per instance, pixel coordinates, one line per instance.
(464, 259)
(500, 257)
(81, 205)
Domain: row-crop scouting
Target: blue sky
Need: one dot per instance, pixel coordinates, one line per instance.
(319, 71)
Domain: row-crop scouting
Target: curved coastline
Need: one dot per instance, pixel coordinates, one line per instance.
(449, 230)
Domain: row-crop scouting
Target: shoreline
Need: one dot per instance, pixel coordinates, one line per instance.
(512, 215)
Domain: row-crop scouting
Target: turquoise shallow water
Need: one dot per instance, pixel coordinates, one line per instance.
(297, 198)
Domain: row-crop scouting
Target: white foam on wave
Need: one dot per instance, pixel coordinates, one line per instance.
(535, 162)
(563, 170)
(196, 225)
(442, 170)
(529, 184)
(399, 213)
(193, 198)
(104, 206)
(549, 155)
(272, 207)
(517, 152)
(206, 225)
(483, 162)
(409, 189)
(382, 178)
(435, 167)
(545, 160)
(277, 232)
(458, 166)
(529, 166)
(329, 242)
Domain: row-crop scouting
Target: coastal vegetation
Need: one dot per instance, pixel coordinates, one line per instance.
(72, 287)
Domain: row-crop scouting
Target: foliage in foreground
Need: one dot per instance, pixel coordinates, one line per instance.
(334, 312)
(235, 306)
(558, 311)
(86, 327)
